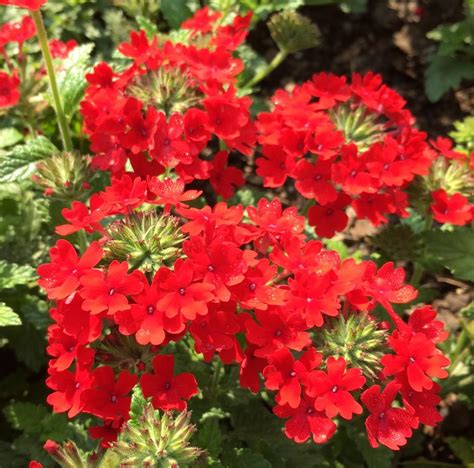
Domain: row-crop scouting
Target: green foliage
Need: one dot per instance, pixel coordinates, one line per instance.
(452, 60)
(463, 448)
(9, 136)
(37, 424)
(463, 134)
(175, 12)
(18, 163)
(12, 274)
(71, 79)
(453, 250)
(7, 316)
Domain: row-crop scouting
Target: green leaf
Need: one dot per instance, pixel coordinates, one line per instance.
(380, 457)
(20, 162)
(137, 406)
(454, 250)
(175, 12)
(7, 316)
(463, 448)
(9, 137)
(28, 344)
(26, 417)
(150, 28)
(444, 73)
(12, 275)
(72, 80)
(209, 437)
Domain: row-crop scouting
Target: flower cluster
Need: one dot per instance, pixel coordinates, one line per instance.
(451, 183)
(244, 286)
(164, 110)
(344, 144)
(13, 36)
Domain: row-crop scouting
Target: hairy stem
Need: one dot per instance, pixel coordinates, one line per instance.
(48, 60)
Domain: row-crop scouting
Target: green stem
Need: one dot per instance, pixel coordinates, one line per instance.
(277, 60)
(82, 240)
(48, 60)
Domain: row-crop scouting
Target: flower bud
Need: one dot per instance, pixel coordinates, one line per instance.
(293, 32)
(146, 240)
(357, 340)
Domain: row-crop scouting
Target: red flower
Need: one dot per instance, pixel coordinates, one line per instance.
(170, 192)
(332, 389)
(314, 181)
(275, 166)
(68, 389)
(17, 31)
(108, 291)
(81, 217)
(276, 328)
(226, 116)
(167, 390)
(305, 422)
(223, 178)
(387, 425)
(107, 398)
(422, 321)
(145, 320)
(221, 263)
(32, 5)
(330, 218)
(387, 285)
(141, 129)
(417, 358)
(287, 375)
(216, 332)
(60, 278)
(452, 209)
(9, 89)
(181, 293)
(60, 49)
(250, 369)
(312, 295)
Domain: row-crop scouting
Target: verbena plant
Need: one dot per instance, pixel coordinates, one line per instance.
(176, 280)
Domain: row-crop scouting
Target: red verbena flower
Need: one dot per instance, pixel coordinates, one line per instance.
(167, 390)
(32, 5)
(305, 422)
(387, 425)
(332, 389)
(108, 291)
(453, 209)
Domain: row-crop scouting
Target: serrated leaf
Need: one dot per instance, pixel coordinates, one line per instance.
(72, 80)
(175, 12)
(9, 137)
(454, 250)
(26, 417)
(28, 344)
(8, 317)
(209, 437)
(137, 405)
(12, 275)
(444, 73)
(150, 28)
(19, 163)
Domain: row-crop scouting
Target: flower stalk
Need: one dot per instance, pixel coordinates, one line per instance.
(58, 107)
